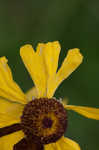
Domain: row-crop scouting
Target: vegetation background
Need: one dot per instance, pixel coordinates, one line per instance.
(75, 23)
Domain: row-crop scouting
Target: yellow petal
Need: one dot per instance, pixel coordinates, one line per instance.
(32, 93)
(8, 88)
(67, 144)
(50, 147)
(7, 142)
(50, 53)
(35, 67)
(89, 112)
(71, 62)
(10, 113)
(63, 144)
(65, 101)
(40, 48)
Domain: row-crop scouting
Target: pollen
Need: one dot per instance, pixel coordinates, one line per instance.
(44, 120)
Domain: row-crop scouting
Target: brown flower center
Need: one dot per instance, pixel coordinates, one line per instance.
(47, 122)
(44, 120)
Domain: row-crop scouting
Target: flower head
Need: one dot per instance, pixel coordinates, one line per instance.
(36, 120)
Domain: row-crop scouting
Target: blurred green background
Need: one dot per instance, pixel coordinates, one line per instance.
(75, 23)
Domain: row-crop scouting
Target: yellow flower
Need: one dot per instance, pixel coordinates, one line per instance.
(36, 120)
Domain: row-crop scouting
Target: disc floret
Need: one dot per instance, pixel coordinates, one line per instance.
(44, 120)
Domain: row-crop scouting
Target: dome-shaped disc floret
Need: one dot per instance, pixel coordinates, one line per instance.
(44, 120)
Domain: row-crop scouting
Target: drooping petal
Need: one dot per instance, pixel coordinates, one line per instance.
(63, 144)
(10, 113)
(50, 147)
(32, 93)
(71, 62)
(50, 53)
(8, 88)
(89, 112)
(7, 142)
(67, 144)
(35, 67)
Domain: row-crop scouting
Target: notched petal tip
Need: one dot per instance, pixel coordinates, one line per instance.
(42, 46)
(55, 45)
(71, 62)
(74, 56)
(3, 59)
(24, 48)
(34, 64)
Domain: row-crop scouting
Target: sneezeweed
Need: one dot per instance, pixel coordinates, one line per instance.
(36, 120)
